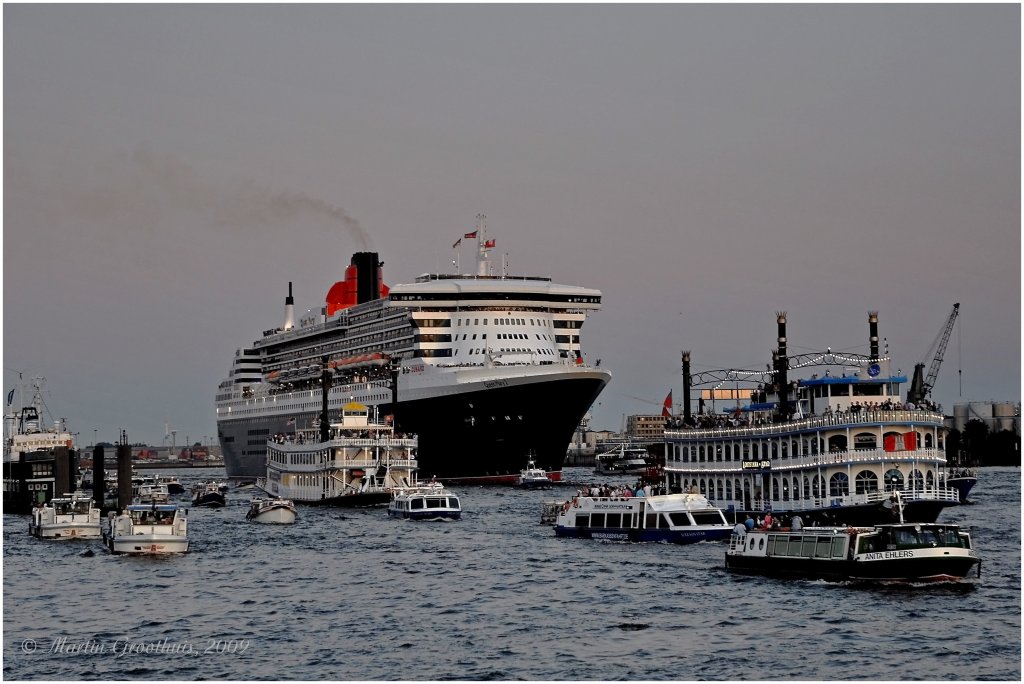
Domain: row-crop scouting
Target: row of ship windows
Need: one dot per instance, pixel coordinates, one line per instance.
(810, 487)
(511, 297)
(756, 450)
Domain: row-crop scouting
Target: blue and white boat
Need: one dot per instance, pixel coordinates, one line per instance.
(430, 501)
(675, 518)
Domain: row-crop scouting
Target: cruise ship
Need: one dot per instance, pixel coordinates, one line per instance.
(484, 369)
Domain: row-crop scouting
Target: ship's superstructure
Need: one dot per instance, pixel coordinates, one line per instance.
(484, 368)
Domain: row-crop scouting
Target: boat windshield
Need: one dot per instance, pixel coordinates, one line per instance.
(913, 537)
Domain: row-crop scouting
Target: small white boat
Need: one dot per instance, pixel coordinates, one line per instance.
(152, 494)
(429, 501)
(279, 511)
(533, 477)
(155, 529)
(71, 516)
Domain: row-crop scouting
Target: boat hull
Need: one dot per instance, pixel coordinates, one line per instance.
(360, 500)
(963, 485)
(280, 515)
(65, 531)
(688, 536)
(926, 569)
(209, 500)
(147, 544)
(478, 432)
(425, 515)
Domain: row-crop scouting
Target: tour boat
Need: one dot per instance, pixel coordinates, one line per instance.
(472, 352)
(430, 501)
(896, 552)
(153, 529)
(271, 510)
(72, 516)
(676, 518)
(207, 494)
(622, 460)
(833, 448)
(357, 461)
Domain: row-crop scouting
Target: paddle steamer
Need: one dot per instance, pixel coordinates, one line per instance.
(835, 448)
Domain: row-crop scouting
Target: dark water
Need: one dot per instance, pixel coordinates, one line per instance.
(355, 595)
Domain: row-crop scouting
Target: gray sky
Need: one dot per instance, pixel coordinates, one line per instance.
(168, 169)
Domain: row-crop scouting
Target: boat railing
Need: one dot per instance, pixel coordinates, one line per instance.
(902, 416)
(831, 458)
(946, 494)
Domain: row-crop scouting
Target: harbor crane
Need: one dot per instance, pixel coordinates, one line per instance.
(921, 386)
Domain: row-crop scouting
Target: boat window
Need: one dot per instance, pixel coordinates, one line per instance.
(824, 547)
(839, 485)
(807, 549)
(839, 547)
(613, 520)
(434, 502)
(453, 503)
(778, 545)
(583, 520)
(417, 503)
(597, 519)
(652, 521)
(708, 518)
(866, 481)
(679, 519)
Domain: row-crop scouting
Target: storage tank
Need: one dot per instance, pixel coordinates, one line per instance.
(1004, 415)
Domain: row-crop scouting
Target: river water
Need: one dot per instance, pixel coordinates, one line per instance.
(354, 595)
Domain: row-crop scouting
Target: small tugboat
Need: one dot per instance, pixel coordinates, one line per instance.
(348, 463)
(174, 486)
(897, 552)
(533, 477)
(207, 494)
(963, 480)
(272, 510)
(429, 501)
(71, 516)
(155, 529)
(676, 518)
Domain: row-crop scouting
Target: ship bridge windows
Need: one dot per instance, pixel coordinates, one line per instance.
(866, 482)
(867, 390)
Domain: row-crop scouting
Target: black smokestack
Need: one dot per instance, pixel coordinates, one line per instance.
(782, 368)
(873, 323)
(687, 416)
(368, 278)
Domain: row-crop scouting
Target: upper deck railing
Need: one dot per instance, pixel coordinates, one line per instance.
(835, 420)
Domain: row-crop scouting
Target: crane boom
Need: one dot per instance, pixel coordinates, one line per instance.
(920, 387)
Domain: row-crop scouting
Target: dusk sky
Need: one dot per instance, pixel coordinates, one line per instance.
(169, 169)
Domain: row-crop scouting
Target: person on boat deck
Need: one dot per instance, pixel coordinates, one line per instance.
(739, 529)
(768, 520)
(749, 523)
(797, 523)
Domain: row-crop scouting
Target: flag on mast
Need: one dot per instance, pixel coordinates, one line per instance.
(666, 409)
(469, 236)
(488, 244)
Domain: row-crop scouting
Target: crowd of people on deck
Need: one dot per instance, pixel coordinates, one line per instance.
(740, 418)
(623, 491)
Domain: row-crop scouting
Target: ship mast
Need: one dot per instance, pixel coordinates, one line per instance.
(483, 263)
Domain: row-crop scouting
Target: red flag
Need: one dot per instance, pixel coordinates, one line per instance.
(457, 243)
(666, 409)
(470, 235)
(489, 244)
